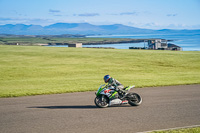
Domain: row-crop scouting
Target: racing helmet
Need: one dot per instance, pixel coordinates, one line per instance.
(107, 78)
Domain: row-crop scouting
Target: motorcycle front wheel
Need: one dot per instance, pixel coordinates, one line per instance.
(101, 101)
(134, 99)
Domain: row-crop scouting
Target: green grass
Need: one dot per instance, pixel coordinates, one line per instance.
(34, 70)
(25, 40)
(188, 130)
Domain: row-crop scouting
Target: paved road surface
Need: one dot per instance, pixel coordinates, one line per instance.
(163, 107)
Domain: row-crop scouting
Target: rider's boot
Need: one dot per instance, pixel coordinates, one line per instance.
(123, 93)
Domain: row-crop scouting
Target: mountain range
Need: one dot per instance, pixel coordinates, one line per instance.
(80, 28)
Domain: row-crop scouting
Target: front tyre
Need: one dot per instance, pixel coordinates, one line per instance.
(101, 101)
(134, 99)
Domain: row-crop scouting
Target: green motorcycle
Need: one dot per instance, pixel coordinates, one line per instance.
(107, 96)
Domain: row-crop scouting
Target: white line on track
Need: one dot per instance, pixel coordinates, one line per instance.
(171, 129)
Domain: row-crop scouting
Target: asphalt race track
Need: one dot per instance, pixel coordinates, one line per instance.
(162, 108)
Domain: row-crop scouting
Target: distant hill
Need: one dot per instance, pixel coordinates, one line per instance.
(80, 28)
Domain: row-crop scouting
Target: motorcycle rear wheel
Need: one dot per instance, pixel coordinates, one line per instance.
(134, 99)
(101, 101)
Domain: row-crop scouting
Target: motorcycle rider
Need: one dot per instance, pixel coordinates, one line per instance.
(115, 83)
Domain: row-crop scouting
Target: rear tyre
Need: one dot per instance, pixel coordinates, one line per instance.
(101, 101)
(134, 99)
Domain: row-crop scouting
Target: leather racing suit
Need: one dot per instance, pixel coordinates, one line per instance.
(116, 84)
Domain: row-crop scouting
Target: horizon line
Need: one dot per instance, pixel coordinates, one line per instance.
(97, 25)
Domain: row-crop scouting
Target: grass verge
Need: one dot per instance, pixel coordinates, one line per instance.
(34, 70)
(187, 130)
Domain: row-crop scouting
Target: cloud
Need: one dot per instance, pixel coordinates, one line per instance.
(87, 14)
(54, 11)
(125, 13)
(58, 15)
(129, 13)
(18, 13)
(5, 19)
(36, 21)
(172, 15)
(158, 26)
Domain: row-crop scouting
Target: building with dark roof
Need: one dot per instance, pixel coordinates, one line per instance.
(161, 44)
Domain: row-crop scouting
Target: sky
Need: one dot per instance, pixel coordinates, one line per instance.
(149, 14)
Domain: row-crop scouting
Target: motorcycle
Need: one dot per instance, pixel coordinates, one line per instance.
(107, 96)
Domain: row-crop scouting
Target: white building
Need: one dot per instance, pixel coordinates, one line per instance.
(157, 44)
(77, 45)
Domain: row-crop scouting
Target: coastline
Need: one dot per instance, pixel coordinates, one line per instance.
(187, 42)
(103, 41)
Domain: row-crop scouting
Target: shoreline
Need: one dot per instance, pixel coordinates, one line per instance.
(105, 41)
(28, 41)
(123, 40)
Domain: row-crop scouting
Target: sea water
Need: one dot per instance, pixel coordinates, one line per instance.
(189, 42)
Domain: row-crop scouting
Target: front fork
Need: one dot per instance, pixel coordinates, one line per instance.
(102, 97)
